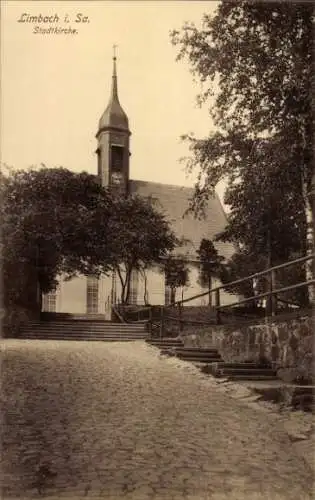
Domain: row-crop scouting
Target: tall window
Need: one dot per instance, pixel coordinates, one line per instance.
(117, 158)
(133, 295)
(167, 295)
(92, 295)
(49, 301)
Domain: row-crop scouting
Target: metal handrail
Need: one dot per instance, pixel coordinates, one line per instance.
(270, 293)
(218, 307)
(242, 280)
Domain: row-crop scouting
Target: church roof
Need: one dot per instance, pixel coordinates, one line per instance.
(173, 201)
(114, 116)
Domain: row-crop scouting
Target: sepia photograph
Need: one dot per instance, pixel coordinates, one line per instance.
(157, 250)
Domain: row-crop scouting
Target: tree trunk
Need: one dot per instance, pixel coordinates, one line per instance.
(145, 297)
(123, 285)
(268, 276)
(128, 283)
(39, 297)
(311, 199)
(309, 246)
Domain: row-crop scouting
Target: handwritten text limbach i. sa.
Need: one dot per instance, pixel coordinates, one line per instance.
(54, 18)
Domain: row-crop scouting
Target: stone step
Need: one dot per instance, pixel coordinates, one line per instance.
(80, 321)
(199, 349)
(221, 370)
(165, 344)
(83, 332)
(166, 340)
(248, 366)
(197, 359)
(253, 371)
(170, 346)
(84, 326)
(250, 377)
(201, 353)
(82, 337)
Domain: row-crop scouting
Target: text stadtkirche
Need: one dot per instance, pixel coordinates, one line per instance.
(54, 24)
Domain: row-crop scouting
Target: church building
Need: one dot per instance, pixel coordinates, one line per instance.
(89, 295)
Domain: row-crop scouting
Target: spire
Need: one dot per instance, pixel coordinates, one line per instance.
(114, 116)
(114, 94)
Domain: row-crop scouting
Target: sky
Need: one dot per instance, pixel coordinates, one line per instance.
(54, 87)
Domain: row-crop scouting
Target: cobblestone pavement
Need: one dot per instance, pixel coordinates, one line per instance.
(116, 420)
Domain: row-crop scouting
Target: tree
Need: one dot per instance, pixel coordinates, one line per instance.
(176, 275)
(141, 237)
(242, 265)
(267, 216)
(51, 221)
(255, 59)
(56, 222)
(210, 263)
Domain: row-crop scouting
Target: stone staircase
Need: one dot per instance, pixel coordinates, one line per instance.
(80, 329)
(210, 361)
(175, 347)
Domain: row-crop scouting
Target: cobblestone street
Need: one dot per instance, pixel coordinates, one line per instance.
(116, 420)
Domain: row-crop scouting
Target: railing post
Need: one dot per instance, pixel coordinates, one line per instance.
(217, 306)
(150, 322)
(271, 299)
(162, 322)
(209, 298)
(273, 286)
(268, 308)
(180, 316)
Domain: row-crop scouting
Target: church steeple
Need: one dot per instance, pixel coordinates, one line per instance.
(114, 94)
(114, 116)
(113, 142)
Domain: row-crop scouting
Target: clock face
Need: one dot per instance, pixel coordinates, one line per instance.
(117, 178)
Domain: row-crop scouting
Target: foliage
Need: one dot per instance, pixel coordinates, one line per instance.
(255, 60)
(242, 265)
(176, 274)
(51, 219)
(141, 237)
(210, 262)
(58, 222)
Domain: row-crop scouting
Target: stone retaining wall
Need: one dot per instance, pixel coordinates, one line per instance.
(287, 342)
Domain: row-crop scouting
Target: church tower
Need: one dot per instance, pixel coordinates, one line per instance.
(113, 143)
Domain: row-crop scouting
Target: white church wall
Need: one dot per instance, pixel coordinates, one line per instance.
(155, 287)
(72, 296)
